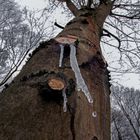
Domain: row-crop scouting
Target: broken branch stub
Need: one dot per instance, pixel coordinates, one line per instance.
(56, 84)
(69, 39)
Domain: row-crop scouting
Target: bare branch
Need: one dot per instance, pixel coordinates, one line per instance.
(89, 3)
(114, 37)
(59, 26)
(71, 6)
(135, 16)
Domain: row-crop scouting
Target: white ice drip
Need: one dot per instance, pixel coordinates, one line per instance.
(81, 85)
(61, 55)
(64, 100)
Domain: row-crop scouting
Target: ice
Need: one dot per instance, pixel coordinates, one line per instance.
(61, 55)
(81, 85)
(94, 114)
(64, 100)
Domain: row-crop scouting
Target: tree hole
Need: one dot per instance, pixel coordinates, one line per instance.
(66, 51)
(50, 95)
(84, 21)
(94, 138)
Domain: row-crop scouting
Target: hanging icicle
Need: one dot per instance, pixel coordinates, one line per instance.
(61, 55)
(64, 100)
(81, 85)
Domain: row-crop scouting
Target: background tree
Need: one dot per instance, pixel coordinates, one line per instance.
(20, 33)
(63, 90)
(125, 113)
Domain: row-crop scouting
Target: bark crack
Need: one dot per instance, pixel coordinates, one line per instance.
(72, 121)
(72, 126)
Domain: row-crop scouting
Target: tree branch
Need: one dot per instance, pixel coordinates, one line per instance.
(135, 16)
(105, 1)
(103, 10)
(110, 34)
(14, 69)
(71, 6)
(59, 26)
(89, 3)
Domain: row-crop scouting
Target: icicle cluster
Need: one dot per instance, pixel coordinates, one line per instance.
(64, 100)
(81, 85)
(61, 55)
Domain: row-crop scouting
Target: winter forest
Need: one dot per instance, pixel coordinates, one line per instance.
(61, 79)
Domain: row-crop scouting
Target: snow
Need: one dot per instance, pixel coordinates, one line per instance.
(81, 85)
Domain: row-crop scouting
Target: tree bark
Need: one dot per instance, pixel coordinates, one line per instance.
(31, 108)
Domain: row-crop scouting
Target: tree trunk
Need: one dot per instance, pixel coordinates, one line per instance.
(32, 107)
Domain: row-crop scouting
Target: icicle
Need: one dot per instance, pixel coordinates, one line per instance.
(81, 85)
(61, 55)
(64, 100)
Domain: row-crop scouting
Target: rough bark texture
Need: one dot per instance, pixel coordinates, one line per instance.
(31, 110)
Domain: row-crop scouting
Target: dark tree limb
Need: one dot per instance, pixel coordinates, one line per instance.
(110, 34)
(89, 3)
(59, 26)
(103, 10)
(118, 131)
(71, 6)
(105, 1)
(135, 16)
(14, 69)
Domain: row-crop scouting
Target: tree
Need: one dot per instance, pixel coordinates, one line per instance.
(125, 114)
(56, 97)
(20, 33)
(10, 19)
